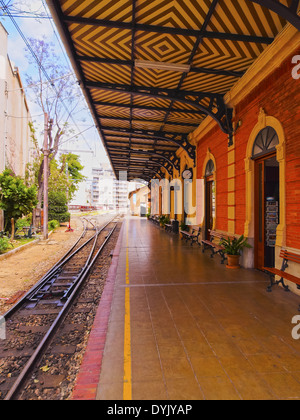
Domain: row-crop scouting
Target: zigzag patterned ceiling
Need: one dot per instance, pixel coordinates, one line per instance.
(145, 114)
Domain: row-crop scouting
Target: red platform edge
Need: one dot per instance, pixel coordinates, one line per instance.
(89, 373)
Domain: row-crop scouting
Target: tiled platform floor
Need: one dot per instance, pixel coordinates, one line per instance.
(197, 330)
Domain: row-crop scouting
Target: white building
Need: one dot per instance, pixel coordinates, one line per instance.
(107, 192)
(16, 148)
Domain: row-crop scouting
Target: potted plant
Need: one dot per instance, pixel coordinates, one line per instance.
(184, 228)
(232, 248)
(162, 220)
(167, 220)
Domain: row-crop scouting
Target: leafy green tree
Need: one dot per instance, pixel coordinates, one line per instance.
(65, 174)
(70, 164)
(16, 199)
(58, 208)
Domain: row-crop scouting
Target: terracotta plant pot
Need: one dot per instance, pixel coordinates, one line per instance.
(233, 261)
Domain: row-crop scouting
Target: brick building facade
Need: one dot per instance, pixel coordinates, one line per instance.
(266, 99)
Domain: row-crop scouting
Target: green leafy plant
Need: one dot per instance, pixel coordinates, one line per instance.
(164, 219)
(53, 224)
(234, 246)
(58, 209)
(4, 244)
(25, 221)
(183, 227)
(16, 199)
(161, 219)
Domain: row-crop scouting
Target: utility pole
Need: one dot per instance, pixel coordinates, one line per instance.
(46, 176)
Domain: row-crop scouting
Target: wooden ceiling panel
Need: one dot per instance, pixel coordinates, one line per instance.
(169, 48)
(115, 10)
(148, 114)
(109, 97)
(154, 103)
(108, 111)
(146, 125)
(173, 14)
(209, 83)
(185, 118)
(157, 78)
(101, 42)
(107, 73)
(245, 17)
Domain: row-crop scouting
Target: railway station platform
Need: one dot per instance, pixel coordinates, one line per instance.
(175, 324)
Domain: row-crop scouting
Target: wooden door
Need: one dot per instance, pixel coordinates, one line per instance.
(209, 206)
(259, 246)
(262, 190)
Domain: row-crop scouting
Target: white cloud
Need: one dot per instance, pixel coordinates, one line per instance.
(17, 54)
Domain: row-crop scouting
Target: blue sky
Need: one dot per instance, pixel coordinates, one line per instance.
(39, 28)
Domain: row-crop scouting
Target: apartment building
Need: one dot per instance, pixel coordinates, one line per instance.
(107, 192)
(16, 148)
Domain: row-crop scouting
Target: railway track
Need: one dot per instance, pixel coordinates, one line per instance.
(49, 325)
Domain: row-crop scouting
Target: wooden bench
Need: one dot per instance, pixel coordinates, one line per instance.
(169, 227)
(191, 235)
(215, 246)
(154, 219)
(272, 271)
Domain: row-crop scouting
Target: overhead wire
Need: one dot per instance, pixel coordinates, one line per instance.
(40, 65)
(5, 8)
(66, 59)
(39, 83)
(64, 54)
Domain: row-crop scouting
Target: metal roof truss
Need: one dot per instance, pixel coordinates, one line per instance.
(152, 71)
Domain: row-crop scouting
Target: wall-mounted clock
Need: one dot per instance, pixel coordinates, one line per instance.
(187, 174)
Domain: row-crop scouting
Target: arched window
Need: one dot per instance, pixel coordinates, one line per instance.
(210, 168)
(265, 142)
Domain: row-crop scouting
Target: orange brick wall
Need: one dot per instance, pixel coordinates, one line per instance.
(279, 96)
(218, 147)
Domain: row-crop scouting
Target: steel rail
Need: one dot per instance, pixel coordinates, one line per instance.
(44, 278)
(53, 270)
(64, 262)
(57, 322)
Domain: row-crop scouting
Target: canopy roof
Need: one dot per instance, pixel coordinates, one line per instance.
(152, 70)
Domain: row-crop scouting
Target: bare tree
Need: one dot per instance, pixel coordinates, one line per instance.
(56, 94)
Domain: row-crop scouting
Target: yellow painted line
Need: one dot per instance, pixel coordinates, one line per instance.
(127, 385)
(127, 256)
(127, 266)
(127, 382)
